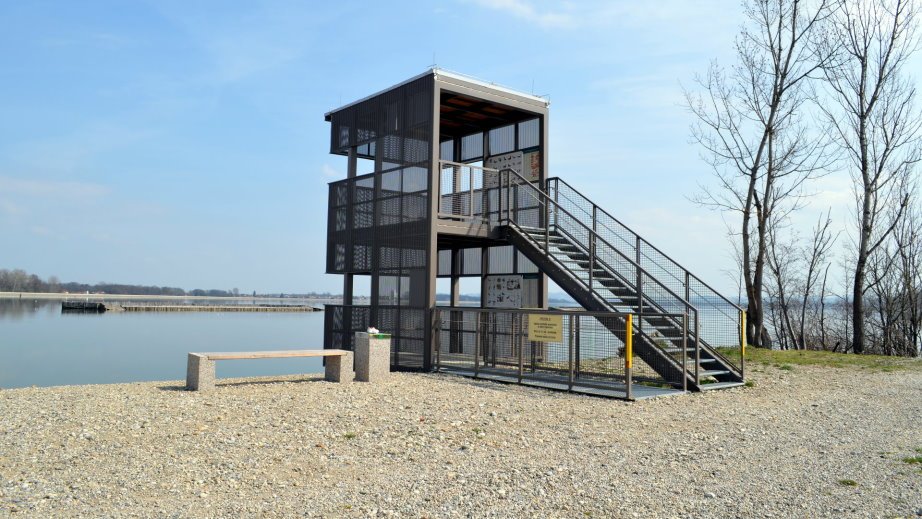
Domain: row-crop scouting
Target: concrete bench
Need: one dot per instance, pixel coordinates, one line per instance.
(200, 372)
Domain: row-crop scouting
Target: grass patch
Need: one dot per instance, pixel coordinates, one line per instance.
(750, 383)
(791, 358)
(913, 460)
(349, 435)
(786, 367)
(848, 482)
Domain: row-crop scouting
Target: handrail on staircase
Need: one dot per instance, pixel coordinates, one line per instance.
(638, 240)
(594, 234)
(505, 214)
(628, 229)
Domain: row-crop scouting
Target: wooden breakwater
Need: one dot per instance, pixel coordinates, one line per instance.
(82, 307)
(143, 307)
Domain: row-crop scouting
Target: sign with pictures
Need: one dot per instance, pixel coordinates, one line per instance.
(504, 291)
(526, 164)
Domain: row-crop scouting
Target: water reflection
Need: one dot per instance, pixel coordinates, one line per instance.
(18, 308)
(41, 346)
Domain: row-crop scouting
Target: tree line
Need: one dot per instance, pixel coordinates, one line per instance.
(819, 88)
(17, 280)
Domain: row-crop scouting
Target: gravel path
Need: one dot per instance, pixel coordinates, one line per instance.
(437, 445)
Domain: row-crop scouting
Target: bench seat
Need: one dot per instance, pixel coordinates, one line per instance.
(200, 370)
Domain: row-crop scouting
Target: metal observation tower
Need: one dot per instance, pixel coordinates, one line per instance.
(448, 178)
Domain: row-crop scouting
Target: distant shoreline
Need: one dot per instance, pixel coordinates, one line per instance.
(50, 295)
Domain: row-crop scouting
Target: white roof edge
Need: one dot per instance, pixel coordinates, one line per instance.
(454, 75)
(493, 86)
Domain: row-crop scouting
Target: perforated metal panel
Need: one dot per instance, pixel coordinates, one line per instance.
(379, 223)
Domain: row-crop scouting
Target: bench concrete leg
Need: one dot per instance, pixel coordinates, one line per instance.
(372, 358)
(339, 368)
(199, 373)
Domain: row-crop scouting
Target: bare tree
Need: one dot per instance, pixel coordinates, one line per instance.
(795, 270)
(750, 122)
(895, 274)
(875, 123)
(783, 269)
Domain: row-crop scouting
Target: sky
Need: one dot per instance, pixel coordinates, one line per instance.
(183, 143)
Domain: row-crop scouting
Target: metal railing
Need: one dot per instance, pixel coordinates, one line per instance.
(720, 317)
(648, 282)
(340, 322)
(523, 205)
(464, 190)
(577, 351)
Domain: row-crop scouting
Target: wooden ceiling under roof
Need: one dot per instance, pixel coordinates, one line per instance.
(462, 115)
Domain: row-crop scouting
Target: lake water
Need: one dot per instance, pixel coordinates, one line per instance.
(41, 346)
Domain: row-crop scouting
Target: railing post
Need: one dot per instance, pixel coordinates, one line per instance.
(697, 349)
(515, 209)
(476, 345)
(438, 340)
(685, 349)
(576, 348)
(547, 207)
(570, 356)
(470, 191)
(592, 250)
(521, 343)
(743, 344)
(639, 284)
(499, 195)
(629, 353)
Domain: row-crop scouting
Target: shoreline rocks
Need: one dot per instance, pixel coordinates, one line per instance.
(443, 446)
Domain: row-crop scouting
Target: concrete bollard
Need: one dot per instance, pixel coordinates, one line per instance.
(200, 373)
(339, 368)
(372, 357)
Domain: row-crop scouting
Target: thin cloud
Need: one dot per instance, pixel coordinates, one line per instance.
(605, 13)
(330, 172)
(50, 189)
(528, 12)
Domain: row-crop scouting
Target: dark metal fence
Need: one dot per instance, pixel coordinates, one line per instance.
(592, 352)
(719, 318)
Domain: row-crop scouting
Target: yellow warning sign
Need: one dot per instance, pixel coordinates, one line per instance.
(545, 328)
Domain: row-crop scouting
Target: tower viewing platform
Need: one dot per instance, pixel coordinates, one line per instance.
(447, 177)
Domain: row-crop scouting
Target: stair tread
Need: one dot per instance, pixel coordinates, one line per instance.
(719, 385)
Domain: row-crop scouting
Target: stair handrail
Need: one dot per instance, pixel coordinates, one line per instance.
(594, 234)
(641, 238)
(689, 274)
(547, 201)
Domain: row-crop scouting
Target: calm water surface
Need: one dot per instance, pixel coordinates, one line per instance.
(41, 346)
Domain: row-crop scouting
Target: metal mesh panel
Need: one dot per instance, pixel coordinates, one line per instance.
(381, 220)
(447, 150)
(471, 262)
(502, 140)
(496, 344)
(666, 286)
(340, 324)
(501, 260)
(462, 192)
(471, 147)
(529, 133)
(444, 262)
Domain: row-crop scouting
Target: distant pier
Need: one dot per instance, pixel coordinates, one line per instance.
(96, 307)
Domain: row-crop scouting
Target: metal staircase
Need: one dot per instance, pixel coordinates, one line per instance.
(606, 267)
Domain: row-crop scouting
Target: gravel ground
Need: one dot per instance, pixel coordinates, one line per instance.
(437, 445)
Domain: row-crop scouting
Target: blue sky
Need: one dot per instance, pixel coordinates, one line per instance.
(183, 143)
